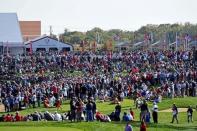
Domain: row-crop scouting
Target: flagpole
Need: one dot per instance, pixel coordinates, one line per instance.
(151, 39)
(3, 48)
(83, 46)
(7, 49)
(31, 49)
(186, 43)
(176, 41)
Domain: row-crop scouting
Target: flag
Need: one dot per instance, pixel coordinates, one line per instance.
(94, 46)
(146, 37)
(82, 45)
(187, 38)
(116, 37)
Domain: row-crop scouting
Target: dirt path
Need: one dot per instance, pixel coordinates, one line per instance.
(1, 108)
(179, 110)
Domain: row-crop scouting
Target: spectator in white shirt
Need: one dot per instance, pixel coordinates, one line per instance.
(57, 117)
(155, 112)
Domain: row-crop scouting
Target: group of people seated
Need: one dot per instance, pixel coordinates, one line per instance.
(47, 116)
(36, 116)
(52, 103)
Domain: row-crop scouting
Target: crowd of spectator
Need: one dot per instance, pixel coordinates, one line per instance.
(43, 79)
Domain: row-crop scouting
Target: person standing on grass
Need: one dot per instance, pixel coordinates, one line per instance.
(73, 109)
(117, 111)
(34, 99)
(89, 113)
(93, 107)
(190, 114)
(6, 105)
(79, 109)
(39, 97)
(58, 104)
(144, 110)
(155, 112)
(174, 113)
(128, 127)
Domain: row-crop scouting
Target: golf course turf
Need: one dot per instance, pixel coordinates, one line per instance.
(106, 108)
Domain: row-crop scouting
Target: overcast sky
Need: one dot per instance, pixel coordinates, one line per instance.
(83, 15)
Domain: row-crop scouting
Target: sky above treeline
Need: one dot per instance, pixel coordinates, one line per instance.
(83, 15)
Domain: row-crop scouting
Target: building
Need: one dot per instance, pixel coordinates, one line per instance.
(46, 43)
(11, 41)
(13, 34)
(123, 46)
(30, 29)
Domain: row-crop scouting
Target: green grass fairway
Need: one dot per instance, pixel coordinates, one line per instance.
(38, 129)
(164, 119)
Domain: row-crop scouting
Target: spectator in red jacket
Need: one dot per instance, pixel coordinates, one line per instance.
(18, 117)
(58, 104)
(143, 126)
(8, 118)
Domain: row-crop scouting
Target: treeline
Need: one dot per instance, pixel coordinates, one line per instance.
(167, 32)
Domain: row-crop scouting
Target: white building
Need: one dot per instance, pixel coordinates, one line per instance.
(46, 43)
(10, 34)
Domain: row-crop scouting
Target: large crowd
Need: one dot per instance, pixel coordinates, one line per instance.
(43, 78)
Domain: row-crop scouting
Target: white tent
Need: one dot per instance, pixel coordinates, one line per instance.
(10, 35)
(9, 28)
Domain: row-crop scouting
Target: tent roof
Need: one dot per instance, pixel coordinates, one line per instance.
(43, 37)
(138, 43)
(9, 28)
(123, 44)
(158, 42)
